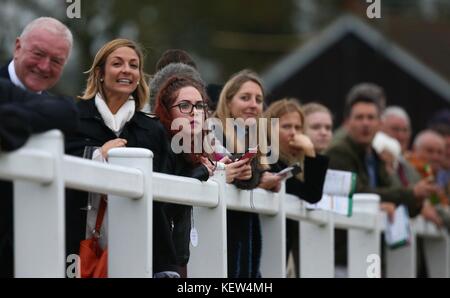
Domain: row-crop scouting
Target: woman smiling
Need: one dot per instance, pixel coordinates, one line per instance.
(110, 117)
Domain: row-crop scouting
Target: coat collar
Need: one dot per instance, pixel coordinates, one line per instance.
(88, 110)
(359, 149)
(4, 72)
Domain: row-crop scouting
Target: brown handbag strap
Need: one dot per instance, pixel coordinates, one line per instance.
(100, 214)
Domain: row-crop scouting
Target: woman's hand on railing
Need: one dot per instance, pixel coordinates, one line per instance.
(115, 143)
(237, 170)
(246, 172)
(209, 165)
(271, 182)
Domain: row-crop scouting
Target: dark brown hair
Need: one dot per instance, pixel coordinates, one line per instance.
(165, 99)
(367, 93)
(174, 56)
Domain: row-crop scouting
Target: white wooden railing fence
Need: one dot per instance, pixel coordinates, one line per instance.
(41, 171)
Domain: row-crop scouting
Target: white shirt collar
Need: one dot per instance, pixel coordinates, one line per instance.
(14, 78)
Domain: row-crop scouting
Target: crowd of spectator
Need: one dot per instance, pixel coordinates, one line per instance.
(171, 112)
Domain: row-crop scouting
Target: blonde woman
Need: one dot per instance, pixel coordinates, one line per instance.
(296, 149)
(242, 99)
(110, 117)
(318, 125)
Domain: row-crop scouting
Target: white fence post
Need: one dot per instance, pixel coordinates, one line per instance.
(209, 257)
(39, 222)
(437, 250)
(317, 247)
(39, 217)
(364, 250)
(130, 220)
(273, 228)
(401, 262)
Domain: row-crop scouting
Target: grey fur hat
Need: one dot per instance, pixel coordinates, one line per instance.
(158, 79)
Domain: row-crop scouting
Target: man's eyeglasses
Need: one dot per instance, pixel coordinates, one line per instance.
(186, 107)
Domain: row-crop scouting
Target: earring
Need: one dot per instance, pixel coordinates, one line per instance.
(101, 80)
(138, 83)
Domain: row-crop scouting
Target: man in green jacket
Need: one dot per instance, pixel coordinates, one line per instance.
(355, 153)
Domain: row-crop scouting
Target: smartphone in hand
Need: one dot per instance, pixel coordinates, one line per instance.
(290, 171)
(250, 154)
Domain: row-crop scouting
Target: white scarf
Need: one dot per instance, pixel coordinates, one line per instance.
(117, 121)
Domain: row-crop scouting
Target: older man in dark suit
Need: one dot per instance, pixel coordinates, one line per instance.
(40, 54)
(23, 113)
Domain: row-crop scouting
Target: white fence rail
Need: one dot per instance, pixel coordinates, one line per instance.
(40, 172)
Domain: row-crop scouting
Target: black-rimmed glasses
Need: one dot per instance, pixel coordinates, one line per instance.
(187, 107)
